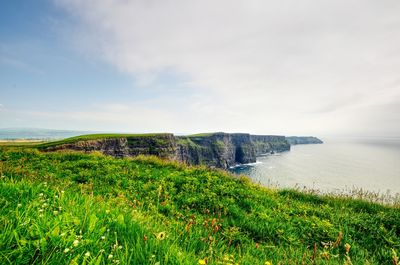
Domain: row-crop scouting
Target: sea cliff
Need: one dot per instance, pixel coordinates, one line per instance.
(219, 150)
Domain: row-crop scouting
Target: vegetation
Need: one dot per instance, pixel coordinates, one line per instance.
(74, 208)
(87, 137)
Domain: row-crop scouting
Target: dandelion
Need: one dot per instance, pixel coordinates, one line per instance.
(110, 256)
(347, 247)
(76, 243)
(66, 250)
(87, 254)
(160, 236)
(202, 261)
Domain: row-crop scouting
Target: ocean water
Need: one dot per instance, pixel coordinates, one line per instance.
(338, 165)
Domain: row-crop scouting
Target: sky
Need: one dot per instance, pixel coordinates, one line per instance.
(311, 67)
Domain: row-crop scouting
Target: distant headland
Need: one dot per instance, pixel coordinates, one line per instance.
(219, 149)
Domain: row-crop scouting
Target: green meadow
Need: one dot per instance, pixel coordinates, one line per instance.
(75, 208)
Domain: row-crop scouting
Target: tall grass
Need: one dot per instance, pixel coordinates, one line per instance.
(72, 208)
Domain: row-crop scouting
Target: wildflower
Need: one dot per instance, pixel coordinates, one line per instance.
(40, 215)
(107, 211)
(145, 238)
(257, 245)
(120, 247)
(116, 261)
(55, 212)
(63, 234)
(60, 208)
(202, 261)
(160, 236)
(103, 237)
(66, 250)
(76, 243)
(87, 254)
(40, 194)
(110, 256)
(62, 192)
(19, 205)
(268, 263)
(347, 246)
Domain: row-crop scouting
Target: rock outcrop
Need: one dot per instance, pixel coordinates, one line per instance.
(220, 150)
(293, 140)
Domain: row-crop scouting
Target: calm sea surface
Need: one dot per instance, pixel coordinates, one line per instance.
(338, 165)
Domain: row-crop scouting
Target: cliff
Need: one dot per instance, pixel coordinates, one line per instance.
(220, 150)
(293, 140)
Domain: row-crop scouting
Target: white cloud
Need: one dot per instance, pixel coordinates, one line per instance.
(262, 66)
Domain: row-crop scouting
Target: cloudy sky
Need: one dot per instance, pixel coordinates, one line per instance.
(311, 67)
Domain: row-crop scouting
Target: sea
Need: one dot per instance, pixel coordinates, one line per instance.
(339, 165)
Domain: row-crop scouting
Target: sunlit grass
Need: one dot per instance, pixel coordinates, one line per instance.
(72, 208)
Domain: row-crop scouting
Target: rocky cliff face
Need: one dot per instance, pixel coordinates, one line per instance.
(220, 150)
(303, 140)
(163, 146)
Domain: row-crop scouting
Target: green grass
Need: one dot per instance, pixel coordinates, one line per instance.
(88, 137)
(74, 208)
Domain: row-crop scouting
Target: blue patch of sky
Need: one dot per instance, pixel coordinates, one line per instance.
(39, 70)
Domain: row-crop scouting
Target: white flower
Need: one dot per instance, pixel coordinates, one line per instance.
(103, 237)
(66, 250)
(40, 210)
(40, 194)
(120, 247)
(76, 242)
(87, 254)
(110, 256)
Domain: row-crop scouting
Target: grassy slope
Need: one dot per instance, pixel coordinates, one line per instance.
(71, 208)
(87, 137)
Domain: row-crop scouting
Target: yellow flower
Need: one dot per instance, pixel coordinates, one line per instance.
(347, 247)
(268, 263)
(160, 236)
(202, 261)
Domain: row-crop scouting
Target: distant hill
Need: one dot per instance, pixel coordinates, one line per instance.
(293, 140)
(37, 133)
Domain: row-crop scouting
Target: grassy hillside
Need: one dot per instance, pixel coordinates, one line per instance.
(88, 137)
(72, 208)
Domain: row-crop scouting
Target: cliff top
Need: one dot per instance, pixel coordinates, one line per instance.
(88, 137)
